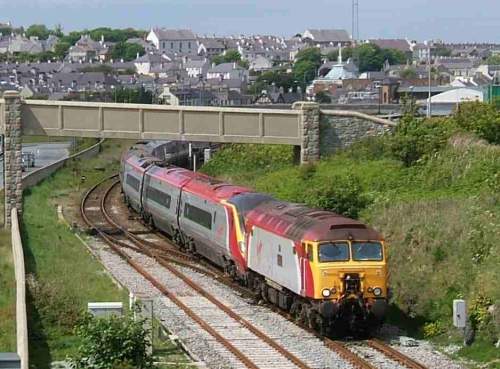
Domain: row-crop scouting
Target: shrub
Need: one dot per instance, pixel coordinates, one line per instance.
(417, 139)
(342, 195)
(112, 343)
(482, 119)
(432, 329)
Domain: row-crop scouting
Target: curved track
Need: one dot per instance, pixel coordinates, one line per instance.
(94, 212)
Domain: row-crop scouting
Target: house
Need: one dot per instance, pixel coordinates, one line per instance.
(146, 63)
(86, 49)
(459, 67)
(260, 63)
(227, 71)
(421, 52)
(396, 44)
(326, 37)
(173, 41)
(210, 47)
(148, 46)
(21, 44)
(196, 68)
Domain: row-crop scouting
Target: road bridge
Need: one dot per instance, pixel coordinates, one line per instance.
(300, 126)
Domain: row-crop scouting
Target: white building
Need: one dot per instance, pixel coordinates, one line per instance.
(174, 41)
(457, 96)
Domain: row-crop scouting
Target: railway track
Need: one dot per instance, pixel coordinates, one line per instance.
(249, 345)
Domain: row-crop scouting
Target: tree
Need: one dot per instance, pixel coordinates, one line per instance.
(334, 55)
(307, 63)
(38, 30)
(126, 51)
(230, 56)
(323, 98)
(61, 49)
(408, 73)
(493, 60)
(113, 342)
(441, 51)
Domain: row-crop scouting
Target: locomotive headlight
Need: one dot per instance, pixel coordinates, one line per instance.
(326, 292)
(377, 291)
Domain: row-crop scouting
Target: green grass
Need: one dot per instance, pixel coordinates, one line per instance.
(63, 275)
(7, 295)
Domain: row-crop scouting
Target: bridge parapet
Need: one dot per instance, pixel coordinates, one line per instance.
(143, 121)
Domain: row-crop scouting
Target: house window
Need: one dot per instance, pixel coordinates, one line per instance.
(189, 45)
(159, 197)
(133, 182)
(171, 45)
(197, 215)
(163, 45)
(180, 45)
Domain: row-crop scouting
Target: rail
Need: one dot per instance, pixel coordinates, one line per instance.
(21, 315)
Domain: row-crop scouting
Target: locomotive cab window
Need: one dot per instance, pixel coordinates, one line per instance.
(197, 215)
(338, 251)
(367, 251)
(133, 182)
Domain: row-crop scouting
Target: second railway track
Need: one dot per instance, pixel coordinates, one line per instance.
(247, 341)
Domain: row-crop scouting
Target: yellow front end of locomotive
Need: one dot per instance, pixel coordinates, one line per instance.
(348, 269)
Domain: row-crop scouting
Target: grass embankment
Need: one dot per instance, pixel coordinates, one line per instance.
(62, 276)
(439, 212)
(7, 295)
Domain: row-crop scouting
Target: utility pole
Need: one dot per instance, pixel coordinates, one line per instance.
(429, 104)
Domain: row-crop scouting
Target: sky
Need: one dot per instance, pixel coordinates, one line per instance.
(448, 20)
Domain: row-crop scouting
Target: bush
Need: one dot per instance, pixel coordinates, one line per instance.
(112, 343)
(416, 139)
(342, 195)
(482, 119)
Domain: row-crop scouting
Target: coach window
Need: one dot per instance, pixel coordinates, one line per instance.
(133, 182)
(159, 197)
(197, 215)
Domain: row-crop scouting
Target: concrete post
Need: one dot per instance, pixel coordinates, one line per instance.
(309, 131)
(12, 154)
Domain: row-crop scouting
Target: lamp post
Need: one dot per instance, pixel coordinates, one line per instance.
(429, 106)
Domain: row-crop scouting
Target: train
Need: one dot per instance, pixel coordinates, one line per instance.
(326, 270)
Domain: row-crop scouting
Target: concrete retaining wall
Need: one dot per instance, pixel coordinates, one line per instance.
(35, 177)
(21, 315)
(340, 129)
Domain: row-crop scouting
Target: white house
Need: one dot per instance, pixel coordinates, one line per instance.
(146, 63)
(227, 71)
(260, 63)
(196, 68)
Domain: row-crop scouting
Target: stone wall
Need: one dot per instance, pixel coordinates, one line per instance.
(338, 132)
(12, 154)
(309, 131)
